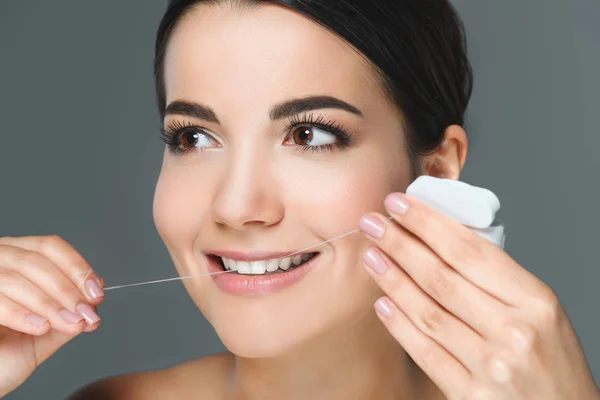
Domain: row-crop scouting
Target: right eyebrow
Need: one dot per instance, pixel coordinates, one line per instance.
(191, 109)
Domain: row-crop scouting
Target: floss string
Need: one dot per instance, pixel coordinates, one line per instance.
(207, 273)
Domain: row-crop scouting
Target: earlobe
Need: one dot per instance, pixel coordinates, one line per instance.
(448, 161)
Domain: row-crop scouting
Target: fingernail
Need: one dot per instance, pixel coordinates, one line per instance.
(396, 203)
(36, 320)
(93, 289)
(371, 226)
(88, 313)
(383, 308)
(69, 317)
(375, 261)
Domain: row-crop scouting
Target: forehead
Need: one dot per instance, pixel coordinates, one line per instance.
(266, 52)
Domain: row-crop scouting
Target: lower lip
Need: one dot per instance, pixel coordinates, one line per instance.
(239, 284)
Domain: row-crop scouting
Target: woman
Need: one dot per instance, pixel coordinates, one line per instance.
(288, 123)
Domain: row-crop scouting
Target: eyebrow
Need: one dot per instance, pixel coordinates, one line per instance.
(279, 111)
(297, 106)
(191, 109)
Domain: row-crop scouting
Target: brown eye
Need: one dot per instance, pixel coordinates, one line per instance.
(312, 136)
(192, 138)
(302, 134)
(187, 140)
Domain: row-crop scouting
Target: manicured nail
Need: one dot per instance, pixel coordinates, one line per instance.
(396, 203)
(69, 317)
(383, 308)
(93, 289)
(88, 313)
(36, 320)
(375, 261)
(372, 226)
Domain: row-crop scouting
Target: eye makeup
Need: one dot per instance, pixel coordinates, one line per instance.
(178, 135)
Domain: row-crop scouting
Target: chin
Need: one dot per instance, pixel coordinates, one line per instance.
(269, 326)
(273, 328)
(255, 337)
(257, 347)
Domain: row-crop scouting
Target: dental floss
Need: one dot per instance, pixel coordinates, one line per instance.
(327, 241)
(472, 206)
(84, 278)
(206, 273)
(164, 280)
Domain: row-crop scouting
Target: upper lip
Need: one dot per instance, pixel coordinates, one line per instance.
(239, 255)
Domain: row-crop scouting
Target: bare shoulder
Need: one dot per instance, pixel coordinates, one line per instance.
(205, 377)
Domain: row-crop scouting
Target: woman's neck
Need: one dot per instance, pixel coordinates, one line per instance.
(359, 362)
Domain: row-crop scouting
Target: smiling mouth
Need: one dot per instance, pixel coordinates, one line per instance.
(264, 267)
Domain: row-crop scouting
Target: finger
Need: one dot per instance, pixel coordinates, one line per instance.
(66, 259)
(20, 319)
(48, 277)
(92, 327)
(453, 335)
(464, 300)
(477, 259)
(21, 291)
(43, 273)
(443, 369)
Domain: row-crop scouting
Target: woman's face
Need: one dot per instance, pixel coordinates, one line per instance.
(252, 179)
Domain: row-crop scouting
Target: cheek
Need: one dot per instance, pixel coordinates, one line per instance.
(177, 208)
(178, 212)
(333, 196)
(338, 197)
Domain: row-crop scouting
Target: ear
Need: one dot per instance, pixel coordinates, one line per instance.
(448, 161)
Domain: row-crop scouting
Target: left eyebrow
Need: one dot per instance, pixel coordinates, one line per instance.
(297, 106)
(191, 109)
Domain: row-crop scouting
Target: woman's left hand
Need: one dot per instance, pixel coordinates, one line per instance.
(475, 321)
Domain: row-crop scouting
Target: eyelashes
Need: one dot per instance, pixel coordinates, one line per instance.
(172, 134)
(176, 131)
(345, 138)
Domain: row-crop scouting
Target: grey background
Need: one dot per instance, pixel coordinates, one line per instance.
(80, 156)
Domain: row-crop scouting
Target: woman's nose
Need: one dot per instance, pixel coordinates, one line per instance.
(248, 197)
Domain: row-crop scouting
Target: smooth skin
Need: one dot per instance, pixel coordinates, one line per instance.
(457, 303)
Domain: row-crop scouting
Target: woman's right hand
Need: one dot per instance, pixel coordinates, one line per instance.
(44, 303)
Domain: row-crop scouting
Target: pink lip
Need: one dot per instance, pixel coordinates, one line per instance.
(234, 283)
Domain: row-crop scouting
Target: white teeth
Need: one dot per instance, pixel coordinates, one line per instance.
(260, 267)
(244, 267)
(230, 264)
(272, 265)
(285, 263)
